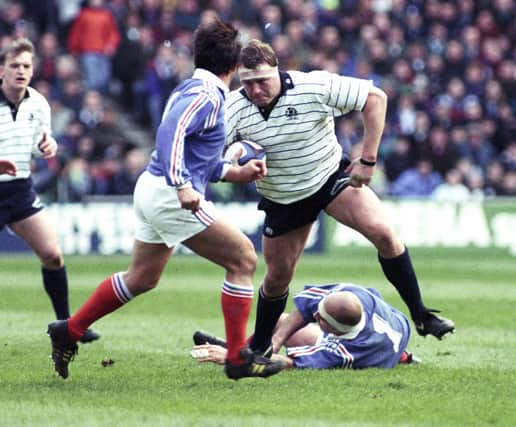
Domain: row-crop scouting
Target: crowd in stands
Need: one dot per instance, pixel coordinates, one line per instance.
(448, 67)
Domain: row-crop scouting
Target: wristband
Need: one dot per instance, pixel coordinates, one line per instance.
(367, 163)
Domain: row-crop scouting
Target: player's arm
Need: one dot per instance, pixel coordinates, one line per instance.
(373, 117)
(7, 167)
(177, 123)
(293, 322)
(320, 356)
(253, 170)
(232, 171)
(47, 146)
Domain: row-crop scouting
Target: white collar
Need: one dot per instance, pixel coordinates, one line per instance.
(202, 74)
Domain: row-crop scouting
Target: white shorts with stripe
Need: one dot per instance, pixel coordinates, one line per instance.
(160, 217)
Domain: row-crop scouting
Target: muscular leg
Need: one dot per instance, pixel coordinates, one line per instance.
(360, 209)
(147, 264)
(39, 233)
(226, 246)
(281, 256)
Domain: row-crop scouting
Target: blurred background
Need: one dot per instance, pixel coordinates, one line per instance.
(448, 67)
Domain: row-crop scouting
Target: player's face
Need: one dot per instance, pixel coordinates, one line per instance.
(262, 92)
(325, 326)
(17, 71)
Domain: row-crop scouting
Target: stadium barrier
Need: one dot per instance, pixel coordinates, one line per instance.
(107, 227)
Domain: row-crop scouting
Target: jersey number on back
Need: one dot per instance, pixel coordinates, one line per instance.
(382, 327)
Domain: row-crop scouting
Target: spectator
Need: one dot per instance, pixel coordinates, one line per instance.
(508, 157)
(76, 181)
(92, 109)
(476, 147)
(124, 181)
(452, 189)
(417, 181)
(494, 176)
(400, 159)
(94, 37)
(440, 151)
(509, 184)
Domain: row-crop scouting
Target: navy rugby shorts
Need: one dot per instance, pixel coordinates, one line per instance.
(18, 200)
(280, 218)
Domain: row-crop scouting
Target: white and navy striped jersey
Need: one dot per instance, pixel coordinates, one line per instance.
(379, 344)
(299, 133)
(22, 129)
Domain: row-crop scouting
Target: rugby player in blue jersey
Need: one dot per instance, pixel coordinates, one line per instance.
(171, 209)
(291, 115)
(339, 325)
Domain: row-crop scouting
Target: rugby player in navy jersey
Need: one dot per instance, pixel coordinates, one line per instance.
(170, 209)
(25, 131)
(339, 325)
(291, 115)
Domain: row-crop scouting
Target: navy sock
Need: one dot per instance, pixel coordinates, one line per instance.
(268, 311)
(55, 283)
(400, 272)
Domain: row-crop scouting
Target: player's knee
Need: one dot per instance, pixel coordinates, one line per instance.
(245, 263)
(387, 243)
(277, 279)
(52, 260)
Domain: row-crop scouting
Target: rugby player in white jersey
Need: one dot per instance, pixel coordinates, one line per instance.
(24, 132)
(291, 115)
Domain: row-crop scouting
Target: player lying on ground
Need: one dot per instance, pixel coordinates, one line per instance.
(340, 325)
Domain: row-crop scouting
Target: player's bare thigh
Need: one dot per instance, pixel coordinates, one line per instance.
(227, 246)
(281, 255)
(39, 233)
(362, 210)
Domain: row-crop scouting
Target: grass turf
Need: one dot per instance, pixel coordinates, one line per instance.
(468, 379)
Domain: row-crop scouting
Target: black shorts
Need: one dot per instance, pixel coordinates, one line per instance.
(18, 200)
(280, 219)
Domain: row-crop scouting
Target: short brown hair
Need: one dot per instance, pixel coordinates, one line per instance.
(16, 47)
(257, 52)
(216, 47)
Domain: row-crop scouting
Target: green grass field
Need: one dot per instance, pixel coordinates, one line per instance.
(468, 379)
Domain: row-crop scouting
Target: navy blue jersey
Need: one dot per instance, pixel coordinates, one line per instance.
(379, 344)
(191, 136)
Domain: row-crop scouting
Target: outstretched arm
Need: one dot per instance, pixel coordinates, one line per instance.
(291, 324)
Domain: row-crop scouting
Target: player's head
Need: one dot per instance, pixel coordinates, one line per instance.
(259, 73)
(216, 47)
(342, 314)
(16, 64)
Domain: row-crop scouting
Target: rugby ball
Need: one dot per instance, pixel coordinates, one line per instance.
(250, 150)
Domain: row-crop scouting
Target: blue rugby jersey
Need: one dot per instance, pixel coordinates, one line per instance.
(380, 344)
(190, 138)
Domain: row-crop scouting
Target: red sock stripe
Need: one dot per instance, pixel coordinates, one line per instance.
(236, 305)
(102, 301)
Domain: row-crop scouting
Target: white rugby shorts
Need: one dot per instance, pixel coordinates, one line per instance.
(160, 217)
